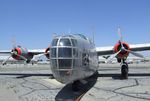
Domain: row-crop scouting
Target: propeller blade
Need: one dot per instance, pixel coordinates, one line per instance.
(4, 62)
(14, 42)
(134, 53)
(113, 56)
(137, 54)
(120, 34)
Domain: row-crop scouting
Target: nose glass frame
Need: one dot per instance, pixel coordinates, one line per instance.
(63, 53)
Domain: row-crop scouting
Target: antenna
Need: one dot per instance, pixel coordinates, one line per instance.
(93, 34)
(69, 31)
(54, 35)
(93, 38)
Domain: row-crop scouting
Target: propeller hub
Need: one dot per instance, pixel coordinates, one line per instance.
(122, 49)
(16, 52)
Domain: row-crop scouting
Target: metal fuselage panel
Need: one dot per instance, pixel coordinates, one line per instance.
(74, 59)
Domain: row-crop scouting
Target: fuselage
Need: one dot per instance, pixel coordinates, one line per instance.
(73, 57)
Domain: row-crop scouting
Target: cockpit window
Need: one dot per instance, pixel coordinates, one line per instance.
(75, 52)
(64, 52)
(64, 42)
(65, 63)
(53, 52)
(74, 42)
(54, 63)
(54, 42)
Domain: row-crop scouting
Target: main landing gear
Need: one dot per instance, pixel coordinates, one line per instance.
(124, 70)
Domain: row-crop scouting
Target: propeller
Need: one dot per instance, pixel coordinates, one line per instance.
(122, 48)
(135, 54)
(119, 33)
(14, 42)
(113, 56)
(15, 46)
(4, 62)
(15, 53)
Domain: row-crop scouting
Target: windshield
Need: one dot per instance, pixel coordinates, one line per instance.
(64, 52)
(64, 42)
(65, 63)
(53, 52)
(54, 42)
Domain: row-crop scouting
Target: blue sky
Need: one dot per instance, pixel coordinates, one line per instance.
(33, 22)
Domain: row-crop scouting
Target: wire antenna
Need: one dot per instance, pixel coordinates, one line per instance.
(93, 34)
(69, 31)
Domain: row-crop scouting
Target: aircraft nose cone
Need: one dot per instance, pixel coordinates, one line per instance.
(64, 76)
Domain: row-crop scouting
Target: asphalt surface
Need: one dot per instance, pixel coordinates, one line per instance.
(35, 83)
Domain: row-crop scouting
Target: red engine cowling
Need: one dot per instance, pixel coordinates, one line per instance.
(122, 53)
(20, 53)
(47, 52)
(16, 51)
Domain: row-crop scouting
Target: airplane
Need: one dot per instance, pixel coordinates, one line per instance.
(74, 57)
(21, 53)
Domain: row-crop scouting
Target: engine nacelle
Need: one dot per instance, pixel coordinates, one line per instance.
(123, 53)
(16, 52)
(19, 53)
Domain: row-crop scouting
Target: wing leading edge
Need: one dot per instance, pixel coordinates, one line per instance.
(32, 51)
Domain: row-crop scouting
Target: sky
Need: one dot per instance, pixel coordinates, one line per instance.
(32, 23)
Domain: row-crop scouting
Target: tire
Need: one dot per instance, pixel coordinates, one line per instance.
(124, 71)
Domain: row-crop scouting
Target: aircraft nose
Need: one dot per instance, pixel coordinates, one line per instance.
(63, 76)
(63, 53)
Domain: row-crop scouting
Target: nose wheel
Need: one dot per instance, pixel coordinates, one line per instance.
(124, 70)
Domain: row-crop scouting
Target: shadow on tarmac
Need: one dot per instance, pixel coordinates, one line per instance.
(67, 94)
(113, 75)
(118, 76)
(24, 75)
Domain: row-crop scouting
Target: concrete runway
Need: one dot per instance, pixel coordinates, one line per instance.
(34, 83)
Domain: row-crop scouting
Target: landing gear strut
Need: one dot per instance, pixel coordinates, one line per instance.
(124, 70)
(75, 85)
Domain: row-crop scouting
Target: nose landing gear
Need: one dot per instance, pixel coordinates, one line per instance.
(124, 70)
(75, 85)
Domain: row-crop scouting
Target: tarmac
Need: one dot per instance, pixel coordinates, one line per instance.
(20, 82)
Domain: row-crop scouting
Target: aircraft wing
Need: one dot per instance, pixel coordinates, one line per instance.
(5, 51)
(32, 51)
(104, 50)
(36, 51)
(110, 49)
